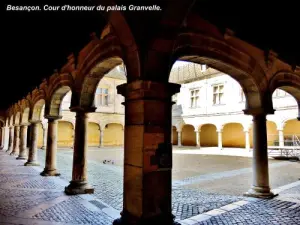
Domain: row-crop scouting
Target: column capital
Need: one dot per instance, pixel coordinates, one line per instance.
(34, 121)
(146, 89)
(24, 124)
(258, 111)
(51, 118)
(79, 109)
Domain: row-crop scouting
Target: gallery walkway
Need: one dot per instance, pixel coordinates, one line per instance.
(28, 198)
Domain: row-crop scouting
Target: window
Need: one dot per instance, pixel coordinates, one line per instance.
(102, 97)
(218, 94)
(195, 98)
(203, 67)
(242, 95)
(280, 93)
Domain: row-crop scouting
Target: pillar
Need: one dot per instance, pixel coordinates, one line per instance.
(197, 138)
(44, 137)
(179, 139)
(281, 138)
(2, 137)
(11, 138)
(220, 145)
(50, 161)
(147, 153)
(101, 138)
(6, 137)
(79, 184)
(247, 140)
(16, 144)
(260, 182)
(32, 156)
(23, 142)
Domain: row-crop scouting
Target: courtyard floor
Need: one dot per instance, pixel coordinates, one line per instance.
(206, 187)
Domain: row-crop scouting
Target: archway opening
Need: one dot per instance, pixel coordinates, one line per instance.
(113, 135)
(208, 136)
(291, 132)
(65, 134)
(233, 135)
(174, 136)
(272, 133)
(93, 134)
(188, 135)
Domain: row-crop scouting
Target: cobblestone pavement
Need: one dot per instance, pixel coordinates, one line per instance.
(27, 198)
(263, 212)
(186, 201)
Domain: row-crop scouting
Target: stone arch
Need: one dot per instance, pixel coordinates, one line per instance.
(113, 134)
(37, 110)
(25, 115)
(233, 135)
(11, 120)
(287, 81)
(17, 118)
(55, 102)
(174, 135)
(118, 27)
(208, 135)
(92, 79)
(216, 53)
(93, 134)
(65, 134)
(188, 135)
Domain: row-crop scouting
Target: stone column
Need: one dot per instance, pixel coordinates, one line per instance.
(16, 145)
(6, 137)
(220, 145)
(281, 138)
(44, 137)
(11, 139)
(260, 182)
(23, 142)
(32, 156)
(2, 137)
(247, 140)
(101, 138)
(179, 138)
(79, 184)
(197, 138)
(50, 162)
(147, 153)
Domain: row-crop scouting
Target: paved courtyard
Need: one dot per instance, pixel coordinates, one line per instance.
(206, 188)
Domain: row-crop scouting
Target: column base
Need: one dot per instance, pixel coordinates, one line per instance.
(14, 154)
(260, 192)
(48, 173)
(79, 187)
(158, 220)
(35, 163)
(21, 157)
